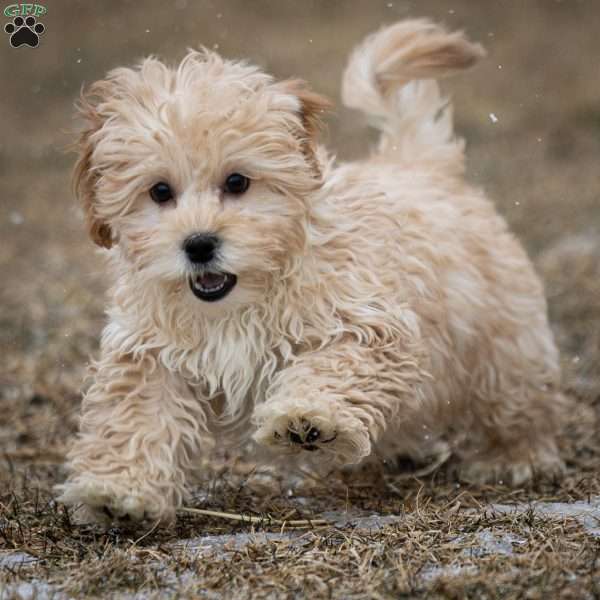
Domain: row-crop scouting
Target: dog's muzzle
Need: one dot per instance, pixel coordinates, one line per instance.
(207, 283)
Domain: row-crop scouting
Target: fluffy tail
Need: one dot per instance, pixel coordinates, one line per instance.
(391, 77)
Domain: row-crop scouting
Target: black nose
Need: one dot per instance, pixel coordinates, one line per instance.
(200, 247)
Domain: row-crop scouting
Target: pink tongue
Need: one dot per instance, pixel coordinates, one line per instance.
(210, 280)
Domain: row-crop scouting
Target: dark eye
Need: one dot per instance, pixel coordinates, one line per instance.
(236, 184)
(161, 192)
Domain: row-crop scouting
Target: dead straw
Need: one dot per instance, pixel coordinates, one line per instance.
(262, 520)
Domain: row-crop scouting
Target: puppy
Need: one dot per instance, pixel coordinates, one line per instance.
(331, 311)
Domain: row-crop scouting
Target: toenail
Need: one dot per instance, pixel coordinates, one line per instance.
(295, 437)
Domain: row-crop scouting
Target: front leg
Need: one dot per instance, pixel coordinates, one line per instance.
(140, 429)
(338, 400)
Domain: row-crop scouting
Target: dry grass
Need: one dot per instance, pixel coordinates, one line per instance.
(441, 532)
(539, 161)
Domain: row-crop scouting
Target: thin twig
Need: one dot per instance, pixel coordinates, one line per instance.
(265, 520)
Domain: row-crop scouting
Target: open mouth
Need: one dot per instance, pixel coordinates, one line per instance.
(211, 286)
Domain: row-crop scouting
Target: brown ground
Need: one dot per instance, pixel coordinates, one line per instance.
(539, 161)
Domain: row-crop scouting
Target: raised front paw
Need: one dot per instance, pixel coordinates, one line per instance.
(294, 426)
(107, 500)
(305, 435)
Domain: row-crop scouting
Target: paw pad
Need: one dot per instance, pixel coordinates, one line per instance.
(24, 32)
(305, 435)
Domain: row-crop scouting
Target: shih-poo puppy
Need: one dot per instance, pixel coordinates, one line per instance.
(259, 290)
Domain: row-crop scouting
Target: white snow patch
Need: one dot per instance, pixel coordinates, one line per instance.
(32, 590)
(478, 544)
(432, 572)
(488, 542)
(16, 559)
(222, 545)
(359, 520)
(16, 218)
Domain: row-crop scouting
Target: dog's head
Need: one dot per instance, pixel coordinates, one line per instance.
(201, 175)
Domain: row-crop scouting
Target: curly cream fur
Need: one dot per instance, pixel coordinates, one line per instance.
(382, 306)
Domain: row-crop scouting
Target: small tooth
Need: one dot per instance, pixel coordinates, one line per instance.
(197, 284)
(209, 289)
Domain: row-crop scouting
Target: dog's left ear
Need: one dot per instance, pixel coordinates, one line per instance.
(312, 109)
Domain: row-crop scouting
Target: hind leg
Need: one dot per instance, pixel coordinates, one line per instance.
(515, 439)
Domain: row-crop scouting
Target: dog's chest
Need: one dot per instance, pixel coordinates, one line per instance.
(235, 367)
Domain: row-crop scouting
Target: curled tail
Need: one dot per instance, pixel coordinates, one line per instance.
(391, 77)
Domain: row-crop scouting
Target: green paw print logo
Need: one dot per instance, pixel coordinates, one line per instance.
(24, 29)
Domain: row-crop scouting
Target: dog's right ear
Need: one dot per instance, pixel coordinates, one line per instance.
(84, 176)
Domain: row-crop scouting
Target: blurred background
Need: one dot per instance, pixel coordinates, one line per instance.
(530, 113)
